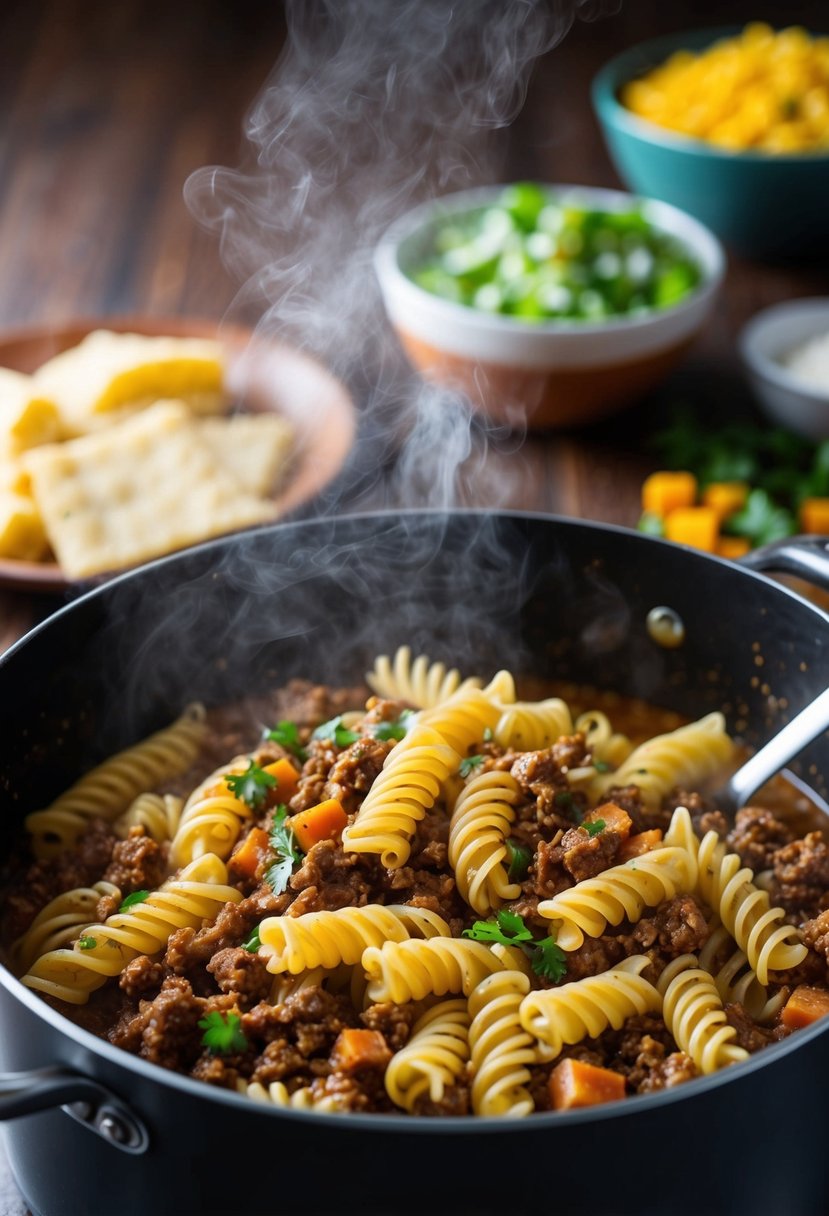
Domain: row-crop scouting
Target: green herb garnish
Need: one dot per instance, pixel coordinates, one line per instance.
(519, 858)
(86, 942)
(469, 764)
(761, 520)
(137, 897)
(286, 734)
(394, 730)
(253, 943)
(336, 733)
(251, 786)
(593, 826)
(651, 524)
(508, 929)
(564, 799)
(488, 735)
(601, 766)
(288, 852)
(222, 1035)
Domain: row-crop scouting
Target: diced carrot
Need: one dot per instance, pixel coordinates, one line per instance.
(664, 491)
(355, 1050)
(325, 821)
(725, 497)
(641, 843)
(804, 1006)
(574, 1083)
(287, 780)
(814, 515)
(250, 853)
(695, 526)
(733, 546)
(615, 818)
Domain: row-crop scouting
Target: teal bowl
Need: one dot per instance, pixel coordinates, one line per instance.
(761, 205)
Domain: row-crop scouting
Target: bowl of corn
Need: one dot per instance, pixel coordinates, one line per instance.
(731, 125)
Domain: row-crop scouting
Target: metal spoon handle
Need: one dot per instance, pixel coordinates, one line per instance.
(776, 754)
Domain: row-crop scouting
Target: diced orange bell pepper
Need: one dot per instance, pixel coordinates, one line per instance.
(664, 491)
(615, 818)
(733, 547)
(814, 515)
(695, 526)
(641, 843)
(804, 1006)
(325, 821)
(287, 780)
(725, 497)
(250, 853)
(575, 1083)
(356, 1050)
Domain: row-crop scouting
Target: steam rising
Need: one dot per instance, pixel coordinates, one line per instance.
(373, 107)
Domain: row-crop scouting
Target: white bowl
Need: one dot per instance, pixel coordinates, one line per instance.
(552, 373)
(786, 398)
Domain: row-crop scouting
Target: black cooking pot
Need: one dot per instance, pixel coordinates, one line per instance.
(105, 1132)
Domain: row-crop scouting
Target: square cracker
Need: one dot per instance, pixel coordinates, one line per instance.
(256, 448)
(139, 489)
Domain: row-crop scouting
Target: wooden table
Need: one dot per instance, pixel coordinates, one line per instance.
(109, 107)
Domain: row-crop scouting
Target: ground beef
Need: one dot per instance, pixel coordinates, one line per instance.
(355, 770)
(328, 879)
(816, 936)
(675, 1069)
(138, 863)
(749, 1035)
(539, 774)
(677, 926)
(189, 949)
(166, 1027)
(757, 835)
(801, 876)
(595, 954)
(629, 798)
(547, 874)
(704, 817)
(142, 976)
(81, 866)
(239, 971)
(393, 1021)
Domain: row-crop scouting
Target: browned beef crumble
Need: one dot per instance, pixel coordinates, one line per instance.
(299, 1042)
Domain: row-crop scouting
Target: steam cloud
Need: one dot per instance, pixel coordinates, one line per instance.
(374, 106)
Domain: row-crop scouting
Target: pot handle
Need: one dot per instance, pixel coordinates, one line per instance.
(806, 557)
(40, 1089)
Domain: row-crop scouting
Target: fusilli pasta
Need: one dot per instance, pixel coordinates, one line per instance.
(433, 1059)
(694, 1014)
(420, 682)
(58, 922)
(411, 970)
(734, 978)
(478, 830)
(211, 818)
(501, 1050)
(157, 814)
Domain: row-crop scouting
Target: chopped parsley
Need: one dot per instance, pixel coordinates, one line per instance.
(253, 943)
(601, 766)
(564, 799)
(251, 786)
(519, 858)
(222, 1035)
(394, 730)
(469, 765)
(488, 735)
(86, 942)
(593, 826)
(286, 734)
(137, 897)
(336, 733)
(546, 957)
(288, 852)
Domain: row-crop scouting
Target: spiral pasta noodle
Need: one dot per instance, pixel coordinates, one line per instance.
(478, 830)
(602, 741)
(694, 1014)
(157, 814)
(411, 970)
(420, 682)
(685, 756)
(212, 817)
(463, 720)
(433, 1059)
(734, 979)
(408, 785)
(197, 893)
(758, 928)
(529, 726)
(276, 1094)
(58, 922)
(326, 939)
(107, 790)
(501, 1050)
(621, 892)
(582, 1009)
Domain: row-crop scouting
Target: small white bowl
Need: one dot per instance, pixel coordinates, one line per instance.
(786, 398)
(546, 374)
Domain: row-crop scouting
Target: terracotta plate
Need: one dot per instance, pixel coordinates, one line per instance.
(262, 375)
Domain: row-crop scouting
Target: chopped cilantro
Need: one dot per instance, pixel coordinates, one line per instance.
(86, 942)
(601, 766)
(253, 943)
(286, 734)
(336, 733)
(394, 730)
(564, 799)
(546, 958)
(470, 764)
(651, 524)
(222, 1035)
(251, 786)
(288, 852)
(137, 897)
(519, 858)
(593, 826)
